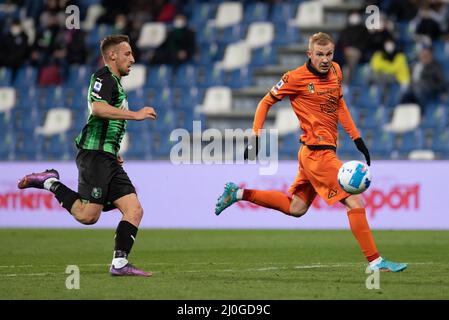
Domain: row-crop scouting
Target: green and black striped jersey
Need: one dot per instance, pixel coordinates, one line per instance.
(99, 133)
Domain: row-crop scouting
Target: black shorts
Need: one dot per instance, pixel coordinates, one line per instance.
(101, 179)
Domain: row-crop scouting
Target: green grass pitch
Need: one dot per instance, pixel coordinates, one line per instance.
(222, 264)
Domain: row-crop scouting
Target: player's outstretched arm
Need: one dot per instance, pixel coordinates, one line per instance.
(106, 111)
(252, 149)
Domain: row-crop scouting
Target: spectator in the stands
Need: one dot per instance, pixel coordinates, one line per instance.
(112, 8)
(163, 10)
(378, 36)
(179, 46)
(402, 10)
(389, 66)
(15, 49)
(426, 26)
(429, 83)
(46, 43)
(352, 43)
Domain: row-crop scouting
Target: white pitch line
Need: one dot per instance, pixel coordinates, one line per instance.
(28, 274)
(312, 266)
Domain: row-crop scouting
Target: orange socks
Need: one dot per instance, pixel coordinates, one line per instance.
(361, 231)
(268, 199)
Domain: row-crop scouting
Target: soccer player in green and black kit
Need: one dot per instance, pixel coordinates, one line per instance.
(103, 184)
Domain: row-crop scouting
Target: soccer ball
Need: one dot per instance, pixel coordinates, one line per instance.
(354, 177)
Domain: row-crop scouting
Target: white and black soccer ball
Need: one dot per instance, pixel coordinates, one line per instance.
(354, 177)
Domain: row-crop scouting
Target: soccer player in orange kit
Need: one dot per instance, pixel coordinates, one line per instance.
(315, 92)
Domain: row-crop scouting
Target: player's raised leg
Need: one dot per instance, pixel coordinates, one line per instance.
(292, 206)
(125, 236)
(361, 231)
(85, 213)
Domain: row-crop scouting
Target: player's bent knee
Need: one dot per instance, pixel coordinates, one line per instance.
(88, 214)
(298, 212)
(298, 207)
(89, 220)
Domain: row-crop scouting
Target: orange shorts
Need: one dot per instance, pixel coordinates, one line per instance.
(318, 175)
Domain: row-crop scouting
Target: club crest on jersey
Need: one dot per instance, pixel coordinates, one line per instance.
(311, 88)
(97, 86)
(96, 192)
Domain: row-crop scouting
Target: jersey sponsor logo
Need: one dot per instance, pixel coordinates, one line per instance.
(96, 192)
(97, 86)
(330, 106)
(285, 78)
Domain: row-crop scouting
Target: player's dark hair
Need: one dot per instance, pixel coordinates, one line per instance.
(111, 41)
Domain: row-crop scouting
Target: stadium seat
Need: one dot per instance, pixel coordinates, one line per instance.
(286, 121)
(373, 117)
(5, 77)
(380, 144)
(410, 141)
(406, 117)
(421, 155)
(186, 76)
(216, 100)
(263, 56)
(161, 144)
(57, 121)
(25, 146)
(79, 76)
(152, 35)
(7, 141)
(289, 145)
(281, 12)
(201, 14)
(230, 34)
(7, 99)
(136, 79)
(435, 116)
(239, 78)
(440, 141)
(290, 35)
(159, 76)
(211, 77)
(237, 55)
(25, 76)
(185, 97)
(309, 14)
(97, 34)
(260, 34)
(163, 98)
(228, 14)
(94, 11)
(256, 12)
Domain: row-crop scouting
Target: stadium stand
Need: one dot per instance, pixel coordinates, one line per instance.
(242, 49)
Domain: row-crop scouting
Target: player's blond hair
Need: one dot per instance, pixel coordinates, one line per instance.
(321, 39)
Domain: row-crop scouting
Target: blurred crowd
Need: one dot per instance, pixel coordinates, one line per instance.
(401, 50)
(47, 44)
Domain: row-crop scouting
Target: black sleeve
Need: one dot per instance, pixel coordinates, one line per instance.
(102, 89)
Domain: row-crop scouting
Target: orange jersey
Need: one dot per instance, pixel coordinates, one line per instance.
(316, 100)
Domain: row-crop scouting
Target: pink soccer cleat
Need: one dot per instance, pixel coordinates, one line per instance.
(36, 180)
(129, 270)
